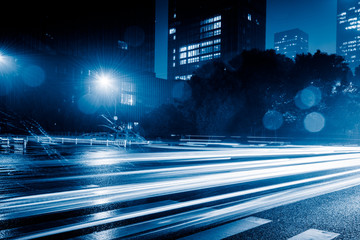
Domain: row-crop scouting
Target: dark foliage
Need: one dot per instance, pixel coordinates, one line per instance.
(234, 98)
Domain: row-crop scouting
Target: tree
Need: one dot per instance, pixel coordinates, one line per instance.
(164, 121)
(233, 98)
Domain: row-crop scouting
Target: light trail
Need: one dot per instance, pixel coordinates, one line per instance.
(240, 209)
(71, 200)
(98, 158)
(208, 167)
(285, 177)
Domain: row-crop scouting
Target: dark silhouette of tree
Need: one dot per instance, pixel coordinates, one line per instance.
(233, 98)
(264, 76)
(164, 121)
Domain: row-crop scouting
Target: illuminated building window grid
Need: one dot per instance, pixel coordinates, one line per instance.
(211, 20)
(183, 77)
(350, 21)
(210, 27)
(350, 18)
(205, 50)
(208, 49)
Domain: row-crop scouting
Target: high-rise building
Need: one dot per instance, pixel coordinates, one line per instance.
(201, 31)
(348, 31)
(69, 47)
(291, 42)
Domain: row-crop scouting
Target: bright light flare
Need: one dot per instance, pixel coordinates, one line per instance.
(2, 58)
(104, 80)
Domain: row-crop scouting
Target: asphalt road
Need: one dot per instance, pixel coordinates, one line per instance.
(165, 192)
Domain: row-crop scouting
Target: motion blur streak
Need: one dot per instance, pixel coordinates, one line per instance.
(219, 186)
(205, 168)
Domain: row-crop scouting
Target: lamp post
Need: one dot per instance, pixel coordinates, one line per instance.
(105, 83)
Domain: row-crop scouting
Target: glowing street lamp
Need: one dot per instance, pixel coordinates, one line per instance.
(104, 81)
(7, 63)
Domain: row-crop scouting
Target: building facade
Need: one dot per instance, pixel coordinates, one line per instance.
(348, 31)
(201, 31)
(68, 48)
(291, 42)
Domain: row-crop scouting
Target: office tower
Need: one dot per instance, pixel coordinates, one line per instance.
(291, 42)
(348, 31)
(70, 46)
(201, 31)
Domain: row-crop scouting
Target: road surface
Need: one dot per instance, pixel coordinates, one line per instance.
(164, 192)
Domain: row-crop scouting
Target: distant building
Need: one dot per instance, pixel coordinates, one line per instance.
(201, 31)
(348, 31)
(291, 42)
(70, 47)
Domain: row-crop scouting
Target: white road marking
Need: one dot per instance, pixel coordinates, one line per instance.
(314, 234)
(229, 229)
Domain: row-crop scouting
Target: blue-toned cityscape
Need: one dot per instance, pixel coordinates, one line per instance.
(169, 119)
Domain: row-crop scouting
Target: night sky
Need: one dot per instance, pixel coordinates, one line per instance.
(315, 17)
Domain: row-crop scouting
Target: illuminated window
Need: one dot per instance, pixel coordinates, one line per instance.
(172, 31)
(182, 55)
(210, 27)
(182, 62)
(207, 50)
(207, 43)
(217, 32)
(185, 77)
(211, 20)
(174, 50)
(183, 49)
(206, 57)
(217, 55)
(207, 21)
(193, 46)
(128, 99)
(217, 48)
(193, 53)
(207, 34)
(207, 28)
(249, 17)
(217, 25)
(217, 41)
(193, 60)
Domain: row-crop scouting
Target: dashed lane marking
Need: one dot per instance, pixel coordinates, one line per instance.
(312, 234)
(229, 229)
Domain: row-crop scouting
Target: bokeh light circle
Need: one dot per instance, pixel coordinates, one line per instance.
(314, 122)
(308, 97)
(272, 120)
(33, 76)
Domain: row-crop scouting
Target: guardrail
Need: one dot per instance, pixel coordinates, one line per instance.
(76, 141)
(21, 142)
